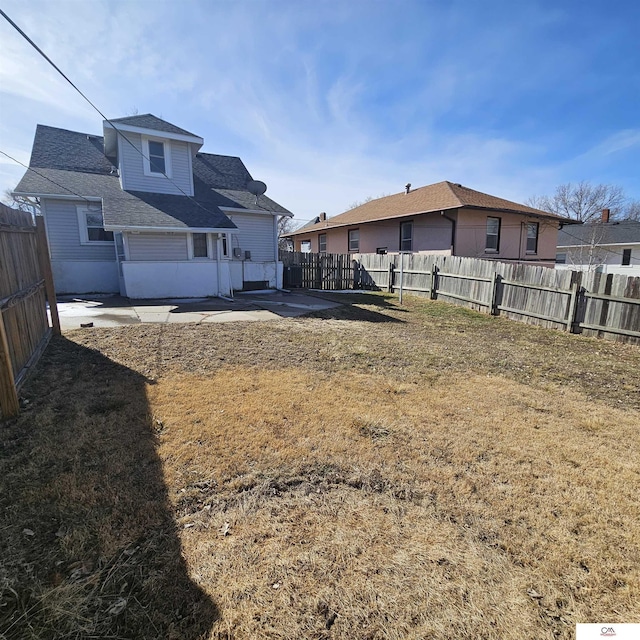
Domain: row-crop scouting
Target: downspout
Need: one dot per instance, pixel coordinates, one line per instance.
(453, 232)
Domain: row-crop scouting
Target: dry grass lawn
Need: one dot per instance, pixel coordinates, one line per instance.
(372, 472)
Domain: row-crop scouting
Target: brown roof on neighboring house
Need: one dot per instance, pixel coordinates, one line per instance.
(434, 197)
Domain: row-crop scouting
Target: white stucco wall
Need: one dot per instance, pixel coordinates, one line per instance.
(84, 276)
(190, 279)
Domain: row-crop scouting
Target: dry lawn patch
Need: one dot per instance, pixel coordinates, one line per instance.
(371, 472)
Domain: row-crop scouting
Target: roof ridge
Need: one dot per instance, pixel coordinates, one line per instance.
(80, 133)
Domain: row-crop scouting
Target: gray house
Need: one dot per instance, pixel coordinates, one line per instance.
(140, 211)
(606, 246)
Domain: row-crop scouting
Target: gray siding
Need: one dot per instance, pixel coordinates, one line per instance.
(61, 217)
(256, 235)
(157, 246)
(132, 168)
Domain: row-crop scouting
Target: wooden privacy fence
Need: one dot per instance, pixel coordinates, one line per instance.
(591, 303)
(26, 284)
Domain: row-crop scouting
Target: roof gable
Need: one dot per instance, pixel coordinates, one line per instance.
(149, 121)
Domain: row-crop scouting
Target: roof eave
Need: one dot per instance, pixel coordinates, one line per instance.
(119, 227)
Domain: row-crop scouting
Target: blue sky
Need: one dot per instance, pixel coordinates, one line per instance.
(329, 101)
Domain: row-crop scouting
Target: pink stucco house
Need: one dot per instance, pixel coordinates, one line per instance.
(442, 218)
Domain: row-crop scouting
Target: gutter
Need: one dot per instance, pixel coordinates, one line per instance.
(453, 232)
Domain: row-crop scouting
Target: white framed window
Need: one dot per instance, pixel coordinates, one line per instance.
(492, 242)
(225, 245)
(156, 157)
(533, 229)
(354, 240)
(322, 243)
(91, 226)
(305, 246)
(406, 236)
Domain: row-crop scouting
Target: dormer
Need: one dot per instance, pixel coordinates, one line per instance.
(151, 154)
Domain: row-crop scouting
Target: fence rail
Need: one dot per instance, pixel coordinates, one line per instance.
(26, 284)
(589, 303)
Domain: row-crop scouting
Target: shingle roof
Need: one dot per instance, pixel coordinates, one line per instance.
(149, 121)
(622, 232)
(55, 148)
(71, 163)
(435, 197)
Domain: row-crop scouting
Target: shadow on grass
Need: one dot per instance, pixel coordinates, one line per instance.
(353, 307)
(88, 542)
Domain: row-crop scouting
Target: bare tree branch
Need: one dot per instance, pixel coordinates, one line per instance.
(582, 201)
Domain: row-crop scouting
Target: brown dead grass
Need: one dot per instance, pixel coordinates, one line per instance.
(374, 472)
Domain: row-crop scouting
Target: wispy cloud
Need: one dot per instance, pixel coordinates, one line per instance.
(331, 102)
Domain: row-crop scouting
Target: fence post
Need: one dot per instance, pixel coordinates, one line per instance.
(9, 403)
(390, 277)
(573, 305)
(434, 282)
(47, 274)
(496, 284)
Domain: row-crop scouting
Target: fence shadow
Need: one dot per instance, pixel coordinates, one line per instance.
(89, 546)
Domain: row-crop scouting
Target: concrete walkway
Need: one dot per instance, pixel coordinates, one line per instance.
(115, 311)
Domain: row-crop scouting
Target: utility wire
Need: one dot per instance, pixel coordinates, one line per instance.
(48, 59)
(46, 178)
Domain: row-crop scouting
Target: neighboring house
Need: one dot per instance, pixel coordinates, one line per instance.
(142, 212)
(442, 218)
(608, 247)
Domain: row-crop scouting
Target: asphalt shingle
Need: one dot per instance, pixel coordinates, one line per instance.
(622, 232)
(435, 197)
(70, 163)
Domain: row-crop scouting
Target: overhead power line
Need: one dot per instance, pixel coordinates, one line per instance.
(55, 66)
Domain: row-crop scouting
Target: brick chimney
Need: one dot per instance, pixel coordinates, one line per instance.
(605, 215)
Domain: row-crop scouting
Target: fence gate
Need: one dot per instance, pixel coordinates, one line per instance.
(26, 284)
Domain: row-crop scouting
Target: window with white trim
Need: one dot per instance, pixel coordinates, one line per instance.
(156, 157)
(91, 226)
(354, 240)
(626, 257)
(322, 243)
(532, 237)
(492, 242)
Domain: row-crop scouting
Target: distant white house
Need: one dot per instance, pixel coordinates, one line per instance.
(608, 247)
(141, 212)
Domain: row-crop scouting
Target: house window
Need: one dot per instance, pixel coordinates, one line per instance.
(225, 246)
(156, 157)
(305, 246)
(354, 240)
(91, 225)
(200, 245)
(626, 257)
(406, 236)
(322, 243)
(532, 237)
(492, 243)
(561, 258)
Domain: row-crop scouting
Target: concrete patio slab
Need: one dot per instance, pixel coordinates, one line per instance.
(113, 311)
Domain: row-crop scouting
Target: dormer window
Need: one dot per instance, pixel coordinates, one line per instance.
(157, 157)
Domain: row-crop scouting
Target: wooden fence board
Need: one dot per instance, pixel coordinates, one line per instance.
(26, 283)
(581, 302)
